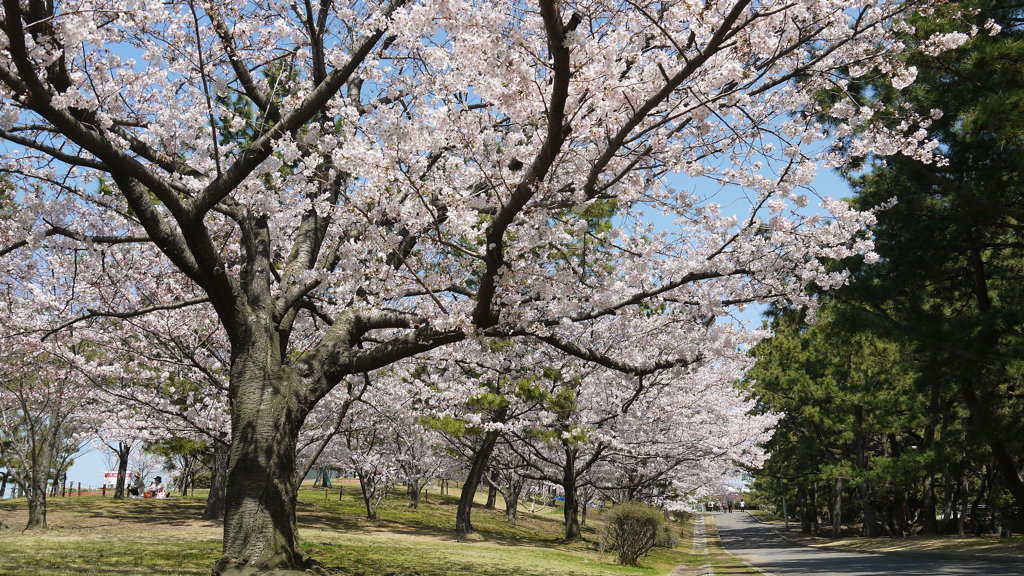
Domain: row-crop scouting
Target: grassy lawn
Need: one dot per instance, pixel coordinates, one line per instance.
(95, 535)
(100, 536)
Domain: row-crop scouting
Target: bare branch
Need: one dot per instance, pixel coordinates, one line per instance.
(607, 361)
(90, 314)
(484, 314)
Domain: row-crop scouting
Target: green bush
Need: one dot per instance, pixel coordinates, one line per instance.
(632, 530)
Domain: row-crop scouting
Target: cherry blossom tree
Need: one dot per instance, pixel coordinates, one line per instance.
(508, 476)
(367, 451)
(517, 412)
(118, 452)
(470, 398)
(42, 419)
(419, 455)
(600, 430)
(45, 410)
(346, 185)
(143, 466)
(167, 382)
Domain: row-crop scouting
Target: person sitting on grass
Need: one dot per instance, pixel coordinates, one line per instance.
(157, 488)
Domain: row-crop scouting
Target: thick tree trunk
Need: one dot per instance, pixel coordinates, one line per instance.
(259, 514)
(364, 489)
(949, 501)
(123, 450)
(463, 520)
(862, 465)
(512, 503)
(571, 511)
(492, 496)
(36, 510)
(414, 489)
(214, 509)
(930, 526)
(805, 509)
(36, 490)
(870, 522)
(837, 509)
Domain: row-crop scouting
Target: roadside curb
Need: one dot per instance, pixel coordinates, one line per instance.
(998, 558)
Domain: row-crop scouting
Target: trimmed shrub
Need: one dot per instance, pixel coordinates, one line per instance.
(632, 530)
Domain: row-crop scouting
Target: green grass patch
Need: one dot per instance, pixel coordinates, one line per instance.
(102, 536)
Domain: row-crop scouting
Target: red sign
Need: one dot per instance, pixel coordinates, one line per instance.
(110, 478)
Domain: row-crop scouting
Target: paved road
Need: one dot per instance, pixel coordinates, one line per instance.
(762, 548)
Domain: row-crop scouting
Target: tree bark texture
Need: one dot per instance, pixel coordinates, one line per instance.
(214, 509)
(123, 450)
(365, 490)
(930, 525)
(259, 513)
(805, 509)
(38, 476)
(512, 504)
(414, 488)
(463, 520)
(837, 509)
(36, 509)
(492, 496)
(864, 487)
(571, 510)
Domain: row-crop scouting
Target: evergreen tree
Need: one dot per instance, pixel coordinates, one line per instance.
(951, 269)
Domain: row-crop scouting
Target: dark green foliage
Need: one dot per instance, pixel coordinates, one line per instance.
(905, 399)
(950, 281)
(852, 410)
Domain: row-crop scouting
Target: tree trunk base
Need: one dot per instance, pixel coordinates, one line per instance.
(470, 536)
(233, 567)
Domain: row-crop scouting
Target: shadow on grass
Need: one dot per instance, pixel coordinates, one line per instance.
(179, 512)
(409, 525)
(435, 519)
